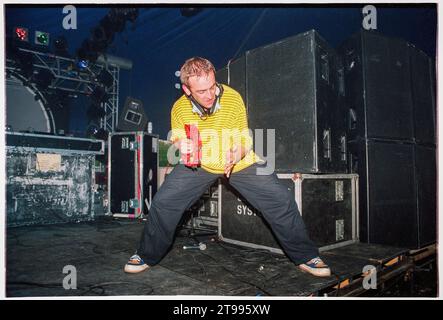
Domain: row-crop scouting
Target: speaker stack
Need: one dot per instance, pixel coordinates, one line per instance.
(367, 107)
(296, 87)
(390, 98)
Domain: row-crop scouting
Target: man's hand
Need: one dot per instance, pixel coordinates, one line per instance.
(233, 156)
(187, 149)
(185, 146)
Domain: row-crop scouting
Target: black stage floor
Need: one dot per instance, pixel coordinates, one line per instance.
(37, 255)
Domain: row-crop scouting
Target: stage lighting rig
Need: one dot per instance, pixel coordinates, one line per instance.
(106, 78)
(99, 95)
(44, 78)
(82, 65)
(41, 38)
(25, 62)
(22, 34)
(99, 40)
(61, 46)
(103, 34)
(87, 52)
(119, 16)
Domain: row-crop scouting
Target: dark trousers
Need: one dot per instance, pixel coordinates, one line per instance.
(183, 186)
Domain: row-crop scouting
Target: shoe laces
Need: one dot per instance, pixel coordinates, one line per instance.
(135, 257)
(316, 261)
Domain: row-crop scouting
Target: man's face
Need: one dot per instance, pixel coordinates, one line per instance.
(202, 88)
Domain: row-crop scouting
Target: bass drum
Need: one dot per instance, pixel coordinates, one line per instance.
(25, 108)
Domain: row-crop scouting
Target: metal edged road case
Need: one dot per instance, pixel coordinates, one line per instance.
(328, 205)
(50, 179)
(132, 173)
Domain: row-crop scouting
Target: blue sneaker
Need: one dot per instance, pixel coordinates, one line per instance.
(316, 267)
(135, 264)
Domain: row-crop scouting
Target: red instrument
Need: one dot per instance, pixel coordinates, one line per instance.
(193, 158)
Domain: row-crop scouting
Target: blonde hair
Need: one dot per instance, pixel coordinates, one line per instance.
(195, 66)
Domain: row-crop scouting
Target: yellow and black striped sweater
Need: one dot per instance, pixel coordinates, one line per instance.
(227, 127)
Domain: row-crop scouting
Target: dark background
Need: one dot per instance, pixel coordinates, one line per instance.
(162, 39)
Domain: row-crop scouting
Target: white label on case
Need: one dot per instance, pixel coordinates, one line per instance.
(154, 145)
(339, 193)
(339, 230)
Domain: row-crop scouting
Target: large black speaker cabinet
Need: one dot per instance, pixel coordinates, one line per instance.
(423, 95)
(133, 116)
(426, 184)
(378, 86)
(234, 75)
(294, 87)
(397, 192)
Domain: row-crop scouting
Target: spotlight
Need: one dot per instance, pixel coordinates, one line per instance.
(82, 64)
(92, 130)
(41, 38)
(106, 78)
(61, 46)
(21, 33)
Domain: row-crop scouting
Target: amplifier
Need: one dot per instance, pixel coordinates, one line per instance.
(327, 203)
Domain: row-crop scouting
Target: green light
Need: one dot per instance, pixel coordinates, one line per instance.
(42, 38)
